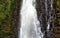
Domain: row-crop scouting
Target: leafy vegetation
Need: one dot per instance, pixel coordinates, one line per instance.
(5, 18)
(58, 11)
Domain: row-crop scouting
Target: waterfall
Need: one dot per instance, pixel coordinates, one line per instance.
(47, 17)
(30, 25)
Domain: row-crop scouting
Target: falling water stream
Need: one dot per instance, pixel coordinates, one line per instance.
(30, 25)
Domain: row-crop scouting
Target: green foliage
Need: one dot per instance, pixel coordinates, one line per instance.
(58, 3)
(5, 18)
(58, 11)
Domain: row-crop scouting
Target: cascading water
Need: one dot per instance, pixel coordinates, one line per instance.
(46, 16)
(30, 25)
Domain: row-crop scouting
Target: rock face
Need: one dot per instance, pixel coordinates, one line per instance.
(46, 14)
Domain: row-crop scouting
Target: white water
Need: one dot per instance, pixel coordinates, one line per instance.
(30, 26)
